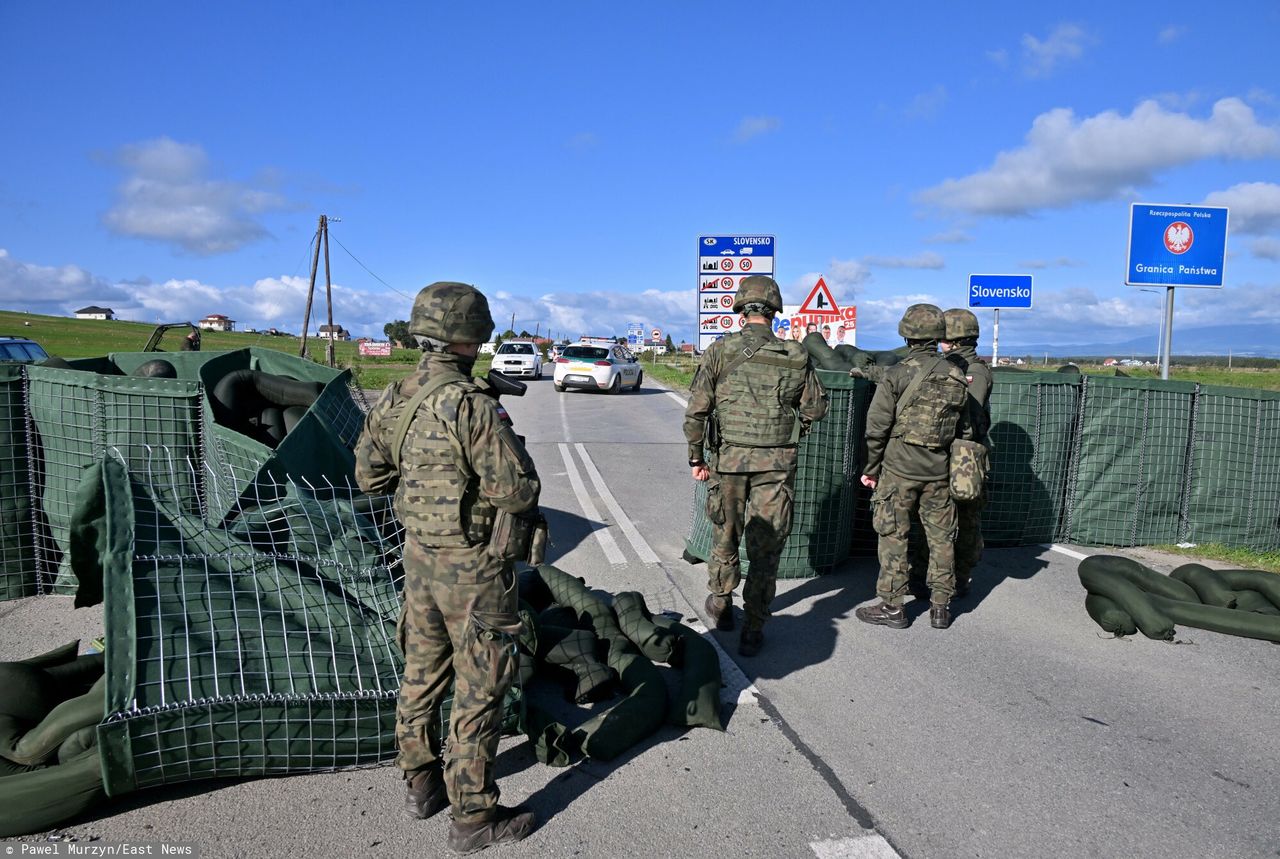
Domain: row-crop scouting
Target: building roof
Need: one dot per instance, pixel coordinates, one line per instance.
(93, 308)
(215, 316)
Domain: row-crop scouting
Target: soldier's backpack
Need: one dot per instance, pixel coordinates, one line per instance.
(968, 469)
(929, 409)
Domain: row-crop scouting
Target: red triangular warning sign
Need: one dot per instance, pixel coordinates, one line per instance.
(820, 301)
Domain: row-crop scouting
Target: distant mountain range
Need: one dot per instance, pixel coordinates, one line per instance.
(1245, 341)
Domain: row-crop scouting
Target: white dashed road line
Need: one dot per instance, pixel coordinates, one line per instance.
(869, 846)
(607, 543)
(624, 521)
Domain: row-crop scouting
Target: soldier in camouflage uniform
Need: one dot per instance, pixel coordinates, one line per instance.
(917, 411)
(449, 453)
(763, 394)
(961, 349)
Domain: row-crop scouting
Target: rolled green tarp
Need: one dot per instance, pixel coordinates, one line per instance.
(40, 799)
(644, 710)
(1108, 615)
(1267, 584)
(655, 642)
(1210, 588)
(1101, 579)
(572, 592)
(1214, 618)
(574, 651)
(697, 702)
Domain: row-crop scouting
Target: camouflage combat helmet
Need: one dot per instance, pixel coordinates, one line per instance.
(452, 312)
(922, 322)
(960, 323)
(758, 289)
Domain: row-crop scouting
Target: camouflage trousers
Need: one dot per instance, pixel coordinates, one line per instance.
(969, 543)
(755, 505)
(456, 631)
(894, 501)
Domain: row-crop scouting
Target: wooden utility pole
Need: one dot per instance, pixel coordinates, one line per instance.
(311, 289)
(328, 289)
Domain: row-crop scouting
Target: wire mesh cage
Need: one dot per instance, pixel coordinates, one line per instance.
(260, 644)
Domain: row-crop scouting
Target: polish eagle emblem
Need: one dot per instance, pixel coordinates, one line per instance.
(1178, 237)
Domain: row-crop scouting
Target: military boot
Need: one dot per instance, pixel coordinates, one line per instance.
(426, 794)
(883, 615)
(720, 611)
(939, 616)
(750, 642)
(507, 826)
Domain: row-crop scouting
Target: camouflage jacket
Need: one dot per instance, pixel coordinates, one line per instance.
(810, 405)
(978, 375)
(886, 451)
(440, 500)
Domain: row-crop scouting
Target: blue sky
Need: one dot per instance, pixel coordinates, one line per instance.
(170, 160)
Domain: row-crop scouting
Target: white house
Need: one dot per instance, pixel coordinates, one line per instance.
(95, 312)
(217, 322)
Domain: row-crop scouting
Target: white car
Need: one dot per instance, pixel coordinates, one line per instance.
(518, 358)
(597, 367)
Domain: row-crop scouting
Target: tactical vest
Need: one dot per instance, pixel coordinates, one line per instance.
(438, 498)
(755, 400)
(929, 415)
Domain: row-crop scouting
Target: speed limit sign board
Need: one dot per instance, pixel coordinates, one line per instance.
(723, 261)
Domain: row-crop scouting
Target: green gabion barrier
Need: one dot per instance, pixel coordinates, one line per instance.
(19, 575)
(824, 490)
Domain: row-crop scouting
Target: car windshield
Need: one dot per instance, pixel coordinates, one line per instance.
(586, 353)
(21, 352)
(515, 349)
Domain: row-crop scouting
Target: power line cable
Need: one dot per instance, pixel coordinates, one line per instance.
(366, 268)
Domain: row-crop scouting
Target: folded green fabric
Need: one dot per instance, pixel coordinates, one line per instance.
(1210, 588)
(1100, 576)
(655, 642)
(1108, 615)
(697, 703)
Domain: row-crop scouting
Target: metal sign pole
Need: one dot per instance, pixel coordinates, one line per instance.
(1168, 332)
(995, 341)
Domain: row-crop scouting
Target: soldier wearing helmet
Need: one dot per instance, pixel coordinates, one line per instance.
(453, 461)
(917, 411)
(961, 348)
(751, 400)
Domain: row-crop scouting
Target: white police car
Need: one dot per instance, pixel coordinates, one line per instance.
(598, 367)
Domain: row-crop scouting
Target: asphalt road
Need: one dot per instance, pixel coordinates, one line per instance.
(1021, 731)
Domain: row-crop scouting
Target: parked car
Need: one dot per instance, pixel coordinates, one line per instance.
(21, 350)
(518, 358)
(597, 367)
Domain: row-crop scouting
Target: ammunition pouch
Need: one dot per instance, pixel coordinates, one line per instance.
(711, 438)
(519, 537)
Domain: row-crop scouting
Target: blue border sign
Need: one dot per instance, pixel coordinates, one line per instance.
(1175, 245)
(723, 262)
(1000, 291)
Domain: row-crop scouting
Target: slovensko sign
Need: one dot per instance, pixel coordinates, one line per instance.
(1000, 291)
(723, 262)
(635, 333)
(1174, 245)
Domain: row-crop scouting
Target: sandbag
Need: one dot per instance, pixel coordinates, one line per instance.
(609, 734)
(1210, 588)
(824, 357)
(1214, 618)
(1142, 576)
(1247, 600)
(31, 746)
(40, 799)
(1267, 584)
(1131, 599)
(1108, 615)
(571, 592)
(251, 402)
(655, 642)
(697, 703)
(574, 651)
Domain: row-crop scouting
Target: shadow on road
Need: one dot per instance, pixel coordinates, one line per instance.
(567, 531)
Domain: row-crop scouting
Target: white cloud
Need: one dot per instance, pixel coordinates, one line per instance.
(1040, 58)
(1255, 206)
(1066, 160)
(754, 126)
(1058, 262)
(1266, 248)
(167, 196)
(949, 237)
(572, 314)
(999, 57)
(53, 289)
(1171, 34)
(927, 104)
(925, 259)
